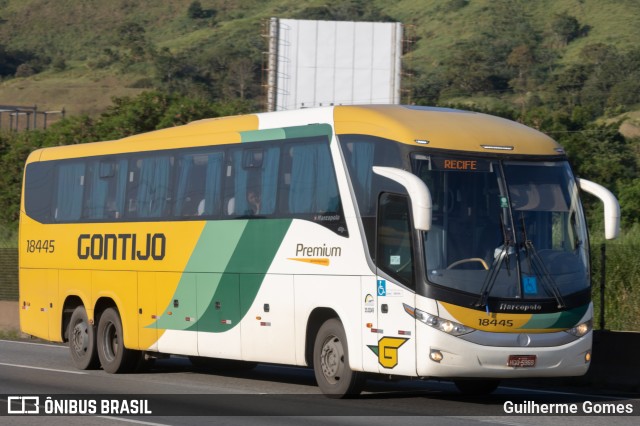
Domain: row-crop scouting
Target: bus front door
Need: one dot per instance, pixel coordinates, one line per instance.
(395, 278)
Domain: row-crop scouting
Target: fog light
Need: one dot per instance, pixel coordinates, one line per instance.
(587, 357)
(436, 355)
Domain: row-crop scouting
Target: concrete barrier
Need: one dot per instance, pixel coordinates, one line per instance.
(9, 316)
(616, 361)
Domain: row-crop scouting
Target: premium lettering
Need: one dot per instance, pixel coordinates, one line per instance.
(318, 251)
(122, 246)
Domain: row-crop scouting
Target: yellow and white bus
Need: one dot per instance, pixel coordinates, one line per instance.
(398, 240)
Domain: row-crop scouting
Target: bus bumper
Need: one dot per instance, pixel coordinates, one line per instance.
(460, 358)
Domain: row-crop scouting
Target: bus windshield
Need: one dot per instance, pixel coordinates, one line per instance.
(504, 229)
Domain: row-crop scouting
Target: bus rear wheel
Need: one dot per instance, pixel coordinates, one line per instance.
(331, 362)
(114, 357)
(82, 340)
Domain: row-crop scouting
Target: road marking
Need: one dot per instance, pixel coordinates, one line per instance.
(35, 344)
(139, 422)
(41, 368)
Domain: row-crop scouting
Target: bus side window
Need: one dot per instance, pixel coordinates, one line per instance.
(313, 187)
(394, 253)
(150, 185)
(255, 182)
(106, 189)
(198, 188)
(70, 192)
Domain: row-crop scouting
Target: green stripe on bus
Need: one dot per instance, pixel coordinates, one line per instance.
(287, 133)
(216, 246)
(262, 135)
(565, 319)
(308, 131)
(233, 258)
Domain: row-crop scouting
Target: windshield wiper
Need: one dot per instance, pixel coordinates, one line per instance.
(537, 266)
(492, 275)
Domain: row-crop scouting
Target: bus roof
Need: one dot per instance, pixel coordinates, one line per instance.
(434, 127)
(444, 128)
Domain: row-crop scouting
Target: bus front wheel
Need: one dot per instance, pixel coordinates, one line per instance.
(82, 340)
(114, 357)
(331, 362)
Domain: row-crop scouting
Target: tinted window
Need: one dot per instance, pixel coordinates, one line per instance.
(254, 181)
(70, 191)
(105, 193)
(313, 186)
(294, 178)
(198, 189)
(394, 253)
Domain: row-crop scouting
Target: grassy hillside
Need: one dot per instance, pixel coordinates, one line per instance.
(84, 54)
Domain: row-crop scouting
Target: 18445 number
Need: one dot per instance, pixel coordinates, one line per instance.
(40, 246)
(485, 322)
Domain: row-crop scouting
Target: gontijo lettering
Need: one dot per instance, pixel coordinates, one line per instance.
(122, 246)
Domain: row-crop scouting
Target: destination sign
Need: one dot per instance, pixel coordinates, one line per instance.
(461, 164)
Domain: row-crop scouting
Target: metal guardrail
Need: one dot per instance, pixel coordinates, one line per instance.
(25, 117)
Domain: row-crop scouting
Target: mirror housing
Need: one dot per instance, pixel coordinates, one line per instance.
(418, 192)
(611, 207)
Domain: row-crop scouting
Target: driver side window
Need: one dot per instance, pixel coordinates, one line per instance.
(394, 254)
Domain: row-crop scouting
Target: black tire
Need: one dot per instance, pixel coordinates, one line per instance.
(477, 387)
(82, 340)
(331, 362)
(114, 357)
(219, 364)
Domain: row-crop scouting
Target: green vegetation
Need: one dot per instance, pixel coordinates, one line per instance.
(622, 295)
(11, 334)
(570, 68)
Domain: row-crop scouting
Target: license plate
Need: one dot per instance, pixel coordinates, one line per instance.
(521, 361)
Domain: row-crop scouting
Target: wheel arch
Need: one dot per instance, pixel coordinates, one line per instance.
(102, 304)
(69, 305)
(317, 317)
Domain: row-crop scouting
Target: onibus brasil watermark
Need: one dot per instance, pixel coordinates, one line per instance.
(36, 405)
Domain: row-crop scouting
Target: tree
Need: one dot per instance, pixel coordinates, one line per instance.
(25, 70)
(132, 37)
(240, 77)
(522, 60)
(195, 10)
(629, 197)
(566, 28)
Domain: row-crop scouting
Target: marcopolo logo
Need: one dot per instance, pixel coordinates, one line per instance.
(519, 307)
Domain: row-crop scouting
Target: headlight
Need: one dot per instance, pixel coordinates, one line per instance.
(448, 326)
(581, 329)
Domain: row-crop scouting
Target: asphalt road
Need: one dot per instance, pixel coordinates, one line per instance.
(176, 393)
